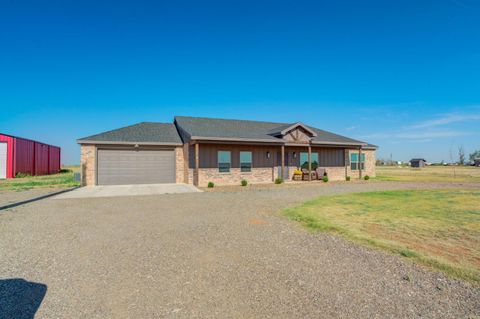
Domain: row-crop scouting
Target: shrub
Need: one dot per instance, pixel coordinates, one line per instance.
(366, 177)
(278, 180)
(211, 184)
(325, 179)
(347, 178)
(244, 182)
(297, 172)
(21, 175)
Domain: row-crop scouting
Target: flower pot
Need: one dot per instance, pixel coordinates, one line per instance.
(297, 177)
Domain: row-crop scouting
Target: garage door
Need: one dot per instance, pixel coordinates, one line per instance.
(119, 167)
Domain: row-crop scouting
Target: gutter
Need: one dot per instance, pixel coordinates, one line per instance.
(128, 143)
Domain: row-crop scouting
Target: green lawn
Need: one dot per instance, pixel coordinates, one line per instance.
(439, 228)
(463, 174)
(63, 179)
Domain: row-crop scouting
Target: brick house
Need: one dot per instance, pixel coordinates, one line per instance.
(201, 150)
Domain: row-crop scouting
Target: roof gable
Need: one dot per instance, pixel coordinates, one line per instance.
(285, 129)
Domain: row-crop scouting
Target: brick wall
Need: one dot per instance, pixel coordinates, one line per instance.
(179, 164)
(87, 165)
(369, 164)
(256, 176)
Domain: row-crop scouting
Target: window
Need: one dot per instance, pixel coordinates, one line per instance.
(304, 160)
(224, 161)
(354, 161)
(245, 161)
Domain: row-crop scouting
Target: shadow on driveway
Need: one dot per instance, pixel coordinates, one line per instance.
(20, 299)
(23, 202)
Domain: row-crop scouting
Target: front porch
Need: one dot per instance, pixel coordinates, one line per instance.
(228, 164)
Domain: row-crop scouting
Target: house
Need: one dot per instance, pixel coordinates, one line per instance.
(417, 162)
(476, 162)
(21, 155)
(200, 150)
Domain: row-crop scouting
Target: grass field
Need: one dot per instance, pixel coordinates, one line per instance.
(439, 228)
(459, 174)
(63, 179)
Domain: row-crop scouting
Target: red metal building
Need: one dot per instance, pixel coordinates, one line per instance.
(19, 155)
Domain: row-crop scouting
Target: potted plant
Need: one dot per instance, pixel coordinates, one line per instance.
(297, 175)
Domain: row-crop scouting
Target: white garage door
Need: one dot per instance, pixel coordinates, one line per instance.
(3, 160)
(120, 167)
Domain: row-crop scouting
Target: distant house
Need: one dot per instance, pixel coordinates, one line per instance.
(417, 162)
(476, 162)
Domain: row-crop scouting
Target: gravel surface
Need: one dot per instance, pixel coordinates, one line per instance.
(10, 197)
(215, 254)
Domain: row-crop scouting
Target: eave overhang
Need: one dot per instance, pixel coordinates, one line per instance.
(127, 143)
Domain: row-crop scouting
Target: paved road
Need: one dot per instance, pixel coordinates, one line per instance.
(210, 255)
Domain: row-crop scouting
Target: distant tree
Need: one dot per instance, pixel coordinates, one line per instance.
(475, 155)
(461, 156)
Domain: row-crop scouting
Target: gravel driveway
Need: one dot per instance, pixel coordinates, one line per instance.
(213, 254)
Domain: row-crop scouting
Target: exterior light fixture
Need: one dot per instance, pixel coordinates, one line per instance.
(268, 154)
(294, 154)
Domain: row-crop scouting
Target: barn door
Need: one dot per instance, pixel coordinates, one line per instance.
(3, 160)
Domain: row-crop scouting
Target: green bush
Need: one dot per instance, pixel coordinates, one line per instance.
(211, 184)
(21, 175)
(278, 180)
(244, 182)
(366, 177)
(325, 179)
(347, 178)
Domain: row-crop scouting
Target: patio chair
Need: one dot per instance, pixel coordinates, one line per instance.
(320, 172)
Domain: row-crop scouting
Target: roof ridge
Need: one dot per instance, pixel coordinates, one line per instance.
(237, 120)
(148, 122)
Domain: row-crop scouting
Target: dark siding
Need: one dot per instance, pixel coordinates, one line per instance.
(208, 155)
(331, 157)
(328, 157)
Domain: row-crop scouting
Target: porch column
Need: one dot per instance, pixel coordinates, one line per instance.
(309, 163)
(360, 163)
(197, 162)
(282, 170)
(347, 162)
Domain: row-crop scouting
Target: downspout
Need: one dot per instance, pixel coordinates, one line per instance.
(360, 162)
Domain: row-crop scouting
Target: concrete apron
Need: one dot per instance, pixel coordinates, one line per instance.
(128, 190)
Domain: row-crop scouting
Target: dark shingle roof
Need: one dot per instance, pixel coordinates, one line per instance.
(255, 130)
(145, 132)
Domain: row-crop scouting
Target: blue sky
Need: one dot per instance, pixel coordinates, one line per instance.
(400, 74)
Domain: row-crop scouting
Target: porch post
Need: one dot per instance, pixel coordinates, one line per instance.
(282, 170)
(347, 162)
(197, 161)
(360, 163)
(309, 163)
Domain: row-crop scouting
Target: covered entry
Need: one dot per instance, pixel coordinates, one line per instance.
(135, 166)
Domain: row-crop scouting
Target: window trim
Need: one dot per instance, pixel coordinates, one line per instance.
(313, 161)
(240, 161)
(360, 162)
(229, 163)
